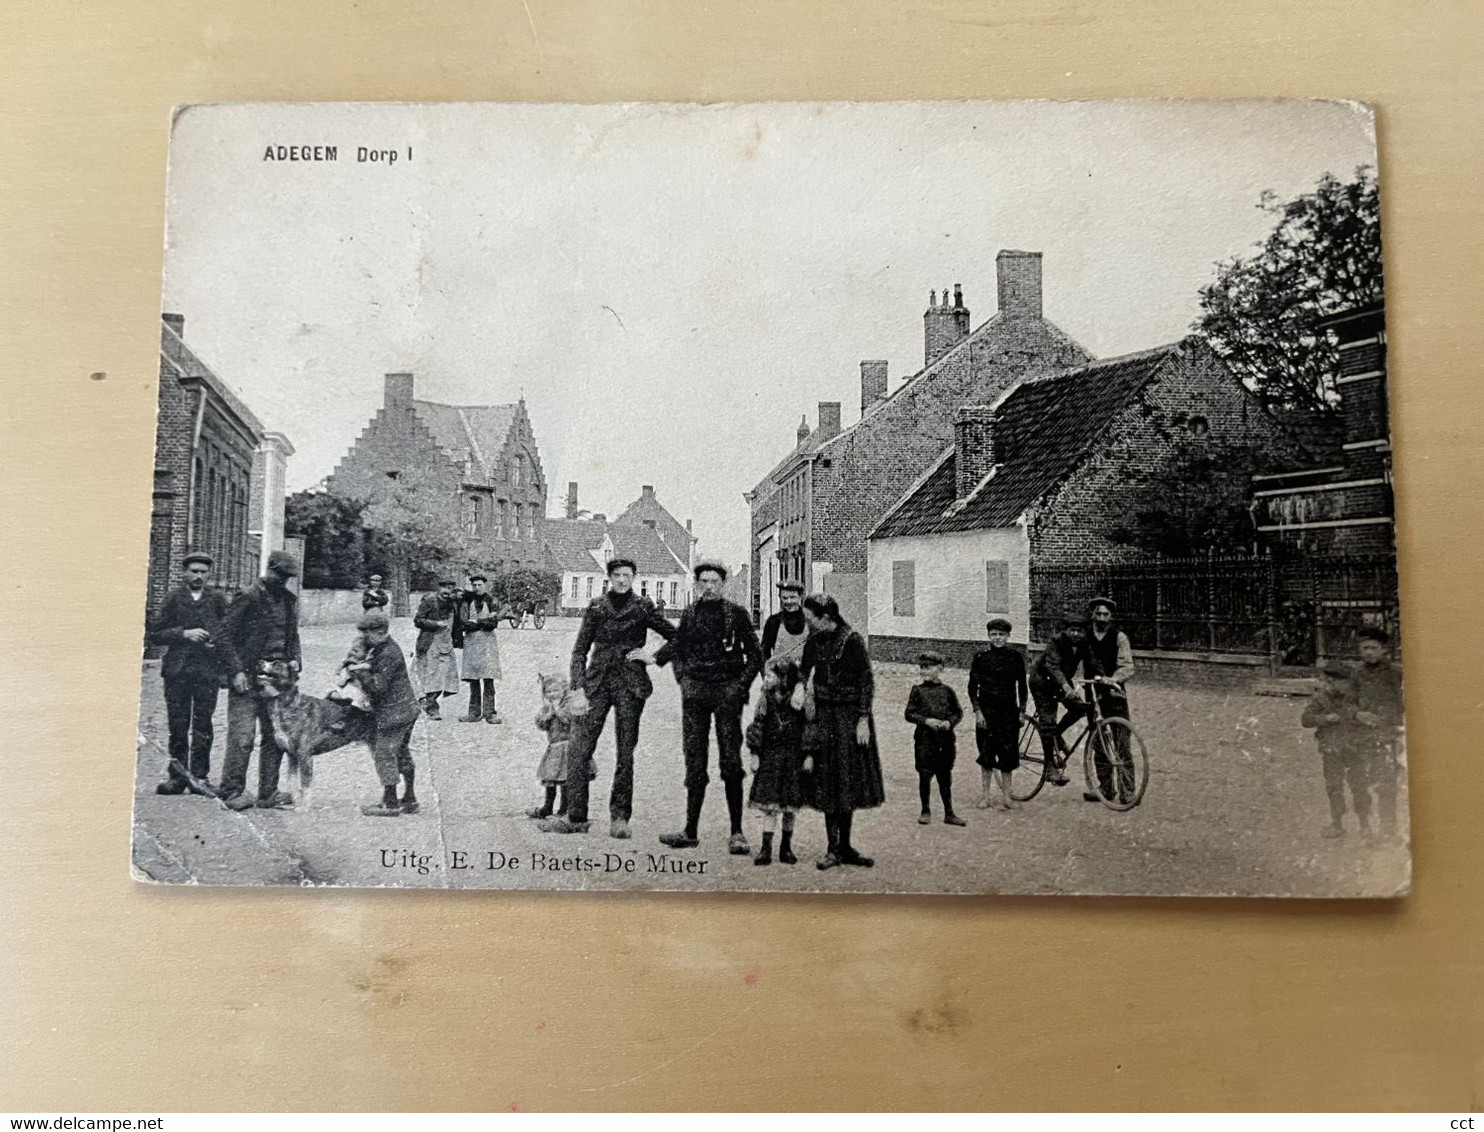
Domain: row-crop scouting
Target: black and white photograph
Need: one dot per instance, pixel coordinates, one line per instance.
(900, 497)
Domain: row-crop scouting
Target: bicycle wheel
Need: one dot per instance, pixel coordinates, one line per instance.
(539, 619)
(1026, 782)
(1128, 773)
(514, 620)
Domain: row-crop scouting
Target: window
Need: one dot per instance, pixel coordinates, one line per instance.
(997, 587)
(674, 592)
(904, 588)
(574, 586)
(1200, 427)
(515, 471)
(589, 587)
(471, 515)
(644, 589)
(531, 523)
(515, 521)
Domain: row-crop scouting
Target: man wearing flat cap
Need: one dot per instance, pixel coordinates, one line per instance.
(608, 670)
(189, 622)
(785, 632)
(435, 664)
(1108, 659)
(260, 636)
(717, 656)
(477, 617)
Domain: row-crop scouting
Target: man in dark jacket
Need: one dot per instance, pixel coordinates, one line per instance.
(1108, 659)
(394, 711)
(608, 669)
(717, 655)
(261, 630)
(189, 622)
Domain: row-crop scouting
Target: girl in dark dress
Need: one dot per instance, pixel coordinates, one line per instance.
(775, 738)
(842, 733)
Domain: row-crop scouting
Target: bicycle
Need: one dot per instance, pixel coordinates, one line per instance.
(1128, 772)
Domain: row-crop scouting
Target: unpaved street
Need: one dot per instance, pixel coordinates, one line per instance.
(1235, 805)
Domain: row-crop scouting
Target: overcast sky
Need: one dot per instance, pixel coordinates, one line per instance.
(671, 287)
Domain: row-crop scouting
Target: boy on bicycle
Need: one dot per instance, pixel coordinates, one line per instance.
(1051, 686)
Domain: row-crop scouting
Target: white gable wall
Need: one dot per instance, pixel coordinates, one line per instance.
(949, 584)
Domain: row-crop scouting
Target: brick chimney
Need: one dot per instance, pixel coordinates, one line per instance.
(646, 491)
(175, 322)
(873, 383)
(398, 391)
(572, 500)
(829, 419)
(1019, 277)
(943, 326)
(973, 448)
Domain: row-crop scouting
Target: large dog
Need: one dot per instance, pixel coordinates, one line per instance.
(306, 726)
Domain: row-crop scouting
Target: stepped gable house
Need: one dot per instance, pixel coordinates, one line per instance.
(1039, 476)
(219, 474)
(1343, 504)
(479, 462)
(579, 548)
(812, 513)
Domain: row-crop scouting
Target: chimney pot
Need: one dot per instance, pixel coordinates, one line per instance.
(398, 391)
(175, 322)
(829, 419)
(873, 382)
(973, 448)
(647, 491)
(1018, 275)
(801, 433)
(944, 327)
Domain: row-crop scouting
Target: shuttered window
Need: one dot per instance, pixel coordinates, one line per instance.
(996, 587)
(904, 588)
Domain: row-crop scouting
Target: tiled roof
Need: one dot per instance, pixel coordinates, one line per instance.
(469, 432)
(669, 528)
(183, 360)
(571, 545)
(1042, 430)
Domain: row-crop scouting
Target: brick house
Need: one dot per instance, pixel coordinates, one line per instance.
(811, 515)
(1040, 476)
(478, 462)
(1342, 505)
(219, 473)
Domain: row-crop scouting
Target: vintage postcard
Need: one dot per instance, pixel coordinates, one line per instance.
(828, 498)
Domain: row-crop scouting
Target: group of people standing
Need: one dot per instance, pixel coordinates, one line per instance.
(449, 620)
(812, 740)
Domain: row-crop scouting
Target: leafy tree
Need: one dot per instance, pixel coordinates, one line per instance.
(413, 531)
(334, 543)
(1323, 256)
(524, 585)
(1195, 503)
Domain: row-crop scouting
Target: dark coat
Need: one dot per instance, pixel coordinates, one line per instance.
(1058, 663)
(608, 634)
(931, 748)
(388, 686)
(246, 628)
(997, 682)
(715, 643)
(179, 613)
(375, 599)
(429, 610)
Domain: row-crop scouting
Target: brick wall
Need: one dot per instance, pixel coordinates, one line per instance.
(860, 476)
(395, 440)
(1067, 527)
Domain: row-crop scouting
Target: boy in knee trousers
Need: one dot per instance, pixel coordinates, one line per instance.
(933, 706)
(1344, 746)
(394, 710)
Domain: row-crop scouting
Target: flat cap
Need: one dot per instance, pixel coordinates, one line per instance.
(710, 564)
(790, 587)
(373, 620)
(930, 657)
(999, 623)
(1093, 603)
(282, 562)
(618, 563)
(197, 556)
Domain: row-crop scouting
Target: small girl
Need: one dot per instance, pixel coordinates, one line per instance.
(555, 718)
(775, 737)
(348, 689)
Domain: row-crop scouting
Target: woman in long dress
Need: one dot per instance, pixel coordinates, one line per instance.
(842, 734)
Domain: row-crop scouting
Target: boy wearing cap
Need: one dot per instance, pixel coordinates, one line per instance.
(933, 706)
(374, 596)
(1345, 747)
(188, 622)
(1051, 686)
(1378, 703)
(259, 634)
(998, 694)
(394, 712)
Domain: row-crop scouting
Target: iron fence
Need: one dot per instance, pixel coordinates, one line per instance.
(1294, 610)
